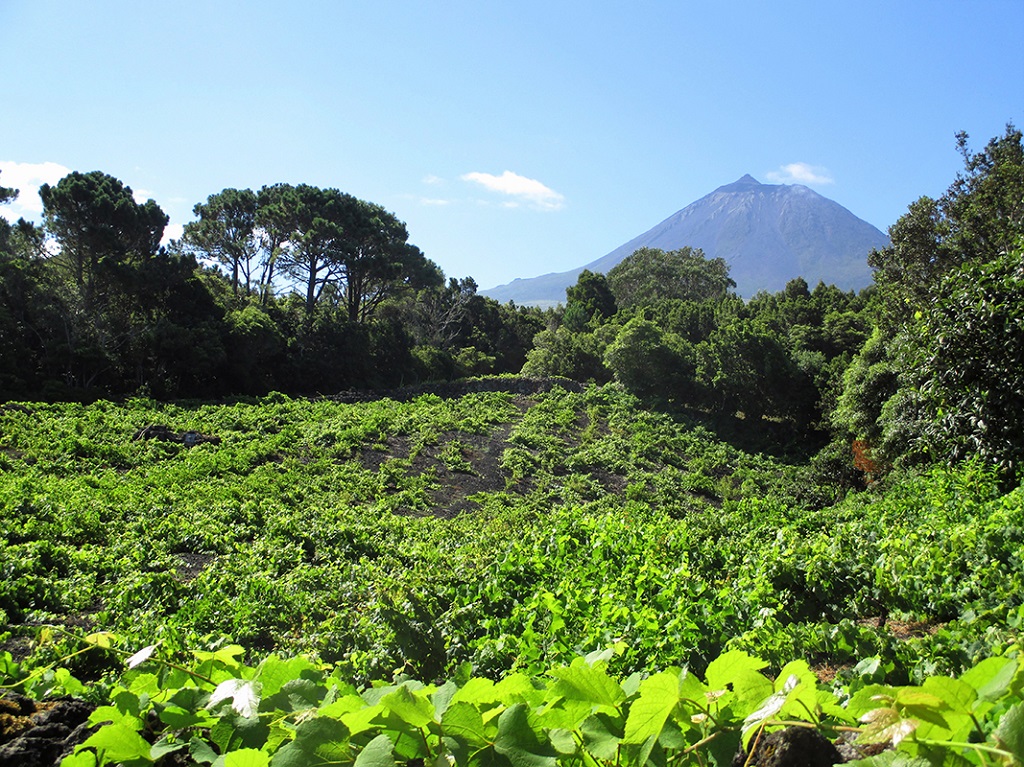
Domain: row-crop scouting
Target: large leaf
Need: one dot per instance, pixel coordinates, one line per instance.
(463, 721)
(118, 743)
(318, 741)
(520, 743)
(1010, 732)
(739, 672)
(273, 673)
(415, 709)
(587, 683)
(598, 738)
(659, 694)
(379, 752)
(991, 678)
(246, 757)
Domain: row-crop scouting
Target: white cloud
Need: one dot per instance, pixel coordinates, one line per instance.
(172, 232)
(27, 177)
(141, 195)
(800, 173)
(526, 190)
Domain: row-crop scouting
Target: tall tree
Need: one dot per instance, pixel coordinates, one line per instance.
(319, 218)
(378, 261)
(590, 297)
(227, 232)
(275, 223)
(98, 226)
(942, 377)
(651, 274)
(978, 218)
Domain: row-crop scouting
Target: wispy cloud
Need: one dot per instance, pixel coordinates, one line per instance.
(27, 177)
(801, 173)
(521, 189)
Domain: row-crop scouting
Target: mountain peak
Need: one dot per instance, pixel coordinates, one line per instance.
(768, 234)
(746, 182)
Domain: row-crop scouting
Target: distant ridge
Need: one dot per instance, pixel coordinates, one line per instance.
(769, 234)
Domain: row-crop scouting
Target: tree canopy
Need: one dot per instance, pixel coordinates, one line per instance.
(651, 274)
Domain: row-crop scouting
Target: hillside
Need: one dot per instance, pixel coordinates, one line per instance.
(429, 532)
(499, 532)
(768, 234)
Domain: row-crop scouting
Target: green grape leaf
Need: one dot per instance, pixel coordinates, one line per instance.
(740, 673)
(178, 718)
(415, 709)
(442, 697)
(114, 715)
(68, 683)
(463, 722)
(295, 695)
(362, 719)
(519, 742)
(566, 713)
(476, 690)
(379, 752)
(1010, 732)
(659, 695)
(562, 741)
(515, 688)
(118, 743)
(591, 684)
(318, 741)
(103, 639)
(274, 673)
(163, 747)
(598, 739)
(991, 678)
(246, 757)
(201, 751)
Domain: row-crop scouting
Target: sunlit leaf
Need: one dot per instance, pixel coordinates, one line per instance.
(244, 695)
(141, 656)
(659, 694)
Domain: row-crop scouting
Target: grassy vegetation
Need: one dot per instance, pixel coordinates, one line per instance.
(511, 532)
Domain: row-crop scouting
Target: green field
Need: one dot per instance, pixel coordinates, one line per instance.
(490, 533)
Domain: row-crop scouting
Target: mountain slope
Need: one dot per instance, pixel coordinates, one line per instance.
(768, 234)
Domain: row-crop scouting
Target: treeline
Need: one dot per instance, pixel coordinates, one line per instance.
(292, 288)
(305, 290)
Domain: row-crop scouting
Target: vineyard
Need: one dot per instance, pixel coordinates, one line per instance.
(493, 578)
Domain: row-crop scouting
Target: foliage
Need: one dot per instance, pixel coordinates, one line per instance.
(212, 708)
(939, 380)
(967, 361)
(590, 298)
(650, 274)
(340, 530)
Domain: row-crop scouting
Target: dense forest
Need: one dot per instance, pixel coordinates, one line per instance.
(282, 493)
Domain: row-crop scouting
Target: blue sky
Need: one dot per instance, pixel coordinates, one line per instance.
(514, 139)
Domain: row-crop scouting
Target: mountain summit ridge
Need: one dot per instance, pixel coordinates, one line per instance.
(769, 234)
